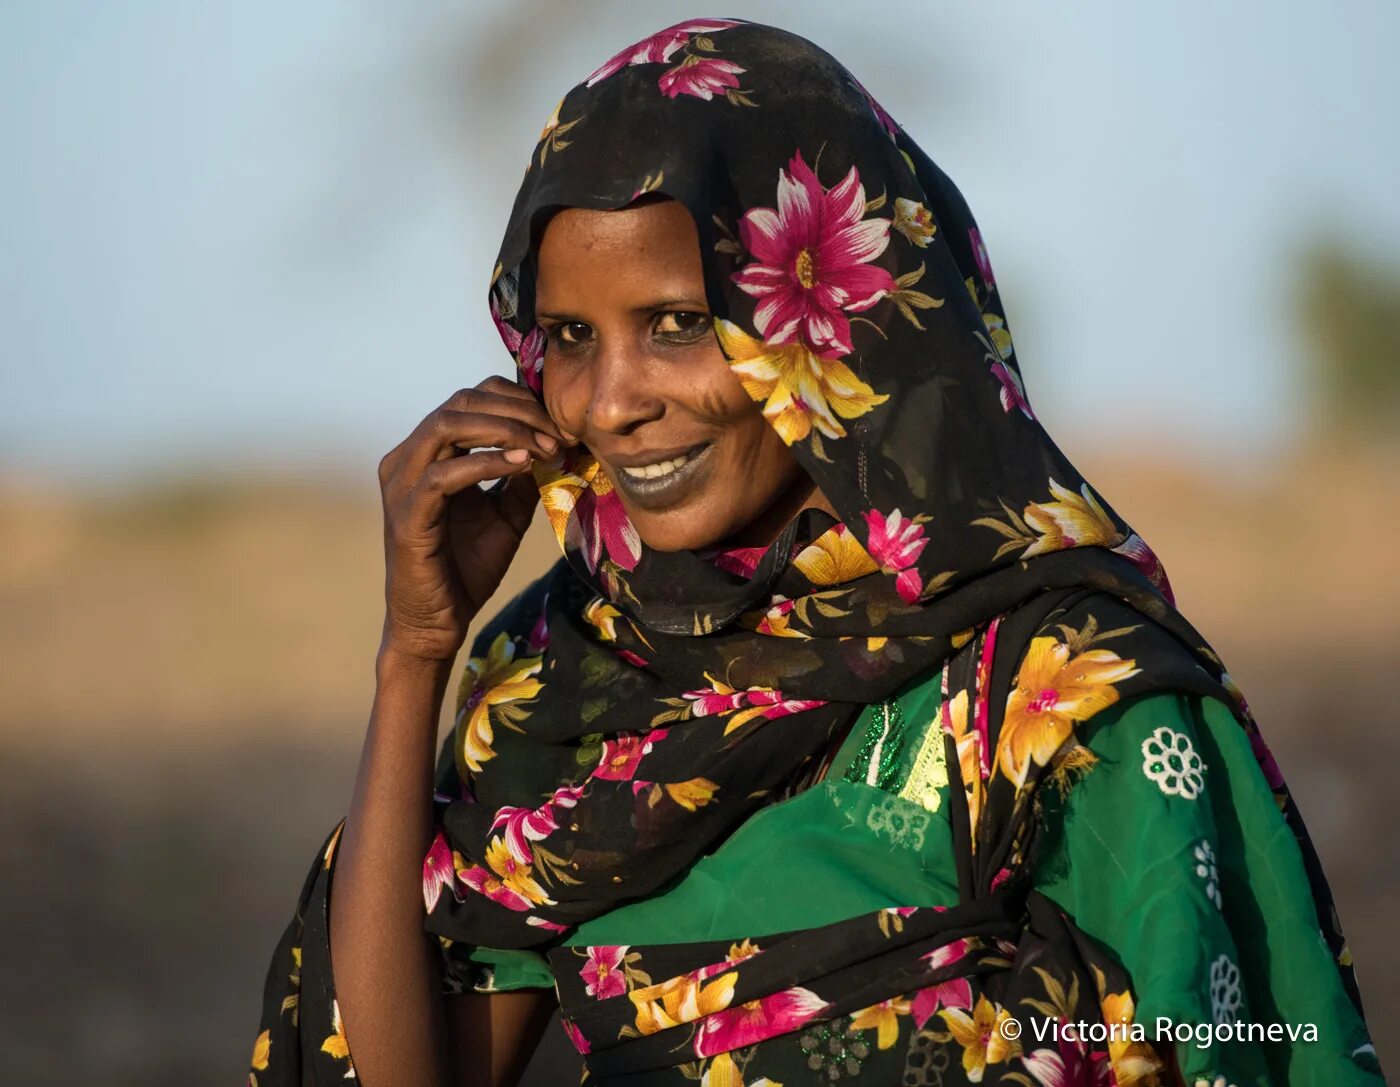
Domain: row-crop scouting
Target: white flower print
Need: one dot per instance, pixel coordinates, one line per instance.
(1169, 759)
(895, 821)
(1205, 868)
(1225, 996)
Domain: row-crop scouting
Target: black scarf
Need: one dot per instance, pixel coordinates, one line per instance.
(641, 704)
(627, 712)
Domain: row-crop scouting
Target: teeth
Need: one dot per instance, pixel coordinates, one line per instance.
(653, 471)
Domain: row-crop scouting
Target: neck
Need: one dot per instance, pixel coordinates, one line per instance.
(801, 494)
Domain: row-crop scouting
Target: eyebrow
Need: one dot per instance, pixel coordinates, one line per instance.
(649, 307)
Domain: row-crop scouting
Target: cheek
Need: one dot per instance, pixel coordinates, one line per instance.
(759, 455)
(566, 401)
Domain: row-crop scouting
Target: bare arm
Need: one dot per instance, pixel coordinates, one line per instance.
(447, 544)
(494, 1035)
(385, 964)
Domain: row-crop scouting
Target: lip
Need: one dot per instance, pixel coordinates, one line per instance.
(663, 490)
(651, 456)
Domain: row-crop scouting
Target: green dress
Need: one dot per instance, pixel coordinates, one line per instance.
(1170, 850)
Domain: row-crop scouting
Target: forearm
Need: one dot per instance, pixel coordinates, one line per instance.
(385, 965)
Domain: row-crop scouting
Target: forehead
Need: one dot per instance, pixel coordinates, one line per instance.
(638, 241)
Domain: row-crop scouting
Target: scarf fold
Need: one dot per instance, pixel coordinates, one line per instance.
(1016, 698)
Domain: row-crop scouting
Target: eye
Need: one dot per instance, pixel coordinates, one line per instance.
(683, 326)
(569, 334)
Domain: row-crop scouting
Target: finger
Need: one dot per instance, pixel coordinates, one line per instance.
(444, 478)
(506, 387)
(443, 433)
(518, 501)
(506, 398)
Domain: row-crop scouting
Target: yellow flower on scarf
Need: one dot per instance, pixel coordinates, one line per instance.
(1052, 692)
(914, 221)
(560, 488)
(1076, 520)
(603, 617)
(799, 390)
(514, 875)
(336, 1044)
(1132, 1062)
(969, 759)
(981, 1036)
(882, 1017)
(681, 999)
(260, 1050)
(489, 681)
(834, 558)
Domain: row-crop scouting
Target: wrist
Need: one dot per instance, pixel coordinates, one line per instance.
(396, 662)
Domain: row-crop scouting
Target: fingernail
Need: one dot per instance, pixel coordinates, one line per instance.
(546, 441)
(517, 456)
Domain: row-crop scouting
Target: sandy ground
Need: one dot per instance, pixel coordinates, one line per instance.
(187, 674)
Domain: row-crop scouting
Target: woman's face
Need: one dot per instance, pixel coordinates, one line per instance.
(633, 371)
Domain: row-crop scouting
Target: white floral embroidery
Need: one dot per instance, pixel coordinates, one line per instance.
(1225, 996)
(1218, 1081)
(1205, 868)
(1169, 759)
(900, 822)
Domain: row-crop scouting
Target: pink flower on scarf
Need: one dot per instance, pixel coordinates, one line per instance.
(604, 527)
(881, 114)
(575, 1035)
(811, 260)
(750, 703)
(896, 544)
(1146, 560)
(953, 993)
(740, 560)
(602, 972)
(528, 349)
(1073, 1065)
(1013, 393)
(531, 359)
(752, 1022)
(658, 48)
(632, 658)
(438, 872)
(700, 77)
(979, 254)
(538, 640)
(1265, 758)
(526, 825)
(622, 755)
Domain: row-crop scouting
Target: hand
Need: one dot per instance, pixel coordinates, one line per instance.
(447, 542)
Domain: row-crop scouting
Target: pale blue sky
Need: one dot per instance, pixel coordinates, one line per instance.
(259, 232)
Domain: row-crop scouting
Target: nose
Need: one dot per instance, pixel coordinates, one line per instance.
(623, 397)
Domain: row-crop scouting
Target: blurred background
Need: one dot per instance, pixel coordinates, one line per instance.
(244, 248)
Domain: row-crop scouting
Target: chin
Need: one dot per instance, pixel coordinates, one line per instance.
(679, 538)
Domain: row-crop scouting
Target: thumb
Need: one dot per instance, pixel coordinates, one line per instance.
(518, 499)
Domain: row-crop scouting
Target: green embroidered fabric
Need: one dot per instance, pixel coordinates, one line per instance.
(1170, 850)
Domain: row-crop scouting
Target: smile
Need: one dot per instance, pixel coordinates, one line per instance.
(660, 484)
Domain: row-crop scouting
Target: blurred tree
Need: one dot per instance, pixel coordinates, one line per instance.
(1348, 309)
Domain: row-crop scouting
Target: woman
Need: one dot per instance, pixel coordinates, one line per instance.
(854, 734)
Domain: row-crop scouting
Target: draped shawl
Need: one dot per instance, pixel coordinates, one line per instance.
(632, 707)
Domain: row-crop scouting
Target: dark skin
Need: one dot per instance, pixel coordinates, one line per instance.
(632, 366)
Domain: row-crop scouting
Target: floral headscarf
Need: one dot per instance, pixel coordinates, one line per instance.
(653, 700)
(631, 708)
